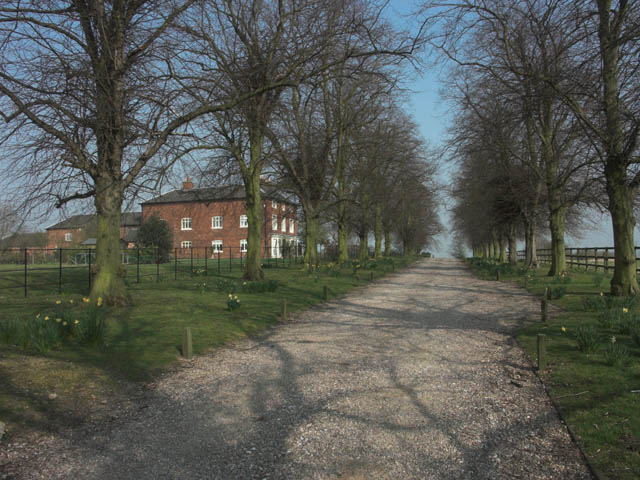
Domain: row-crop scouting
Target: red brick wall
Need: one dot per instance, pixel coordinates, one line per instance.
(201, 233)
(55, 238)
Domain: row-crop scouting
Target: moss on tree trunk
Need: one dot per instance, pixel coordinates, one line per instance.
(311, 237)
(108, 281)
(624, 281)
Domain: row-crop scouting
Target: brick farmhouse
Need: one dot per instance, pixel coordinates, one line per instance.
(216, 218)
(198, 217)
(80, 231)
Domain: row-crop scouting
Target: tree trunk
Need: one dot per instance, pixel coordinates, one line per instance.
(503, 249)
(513, 245)
(620, 193)
(387, 243)
(311, 235)
(531, 259)
(343, 232)
(378, 232)
(364, 245)
(108, 281)
(624, 281)
(251, 177)
(558, 258)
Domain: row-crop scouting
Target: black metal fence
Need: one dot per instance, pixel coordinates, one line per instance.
(43, 270)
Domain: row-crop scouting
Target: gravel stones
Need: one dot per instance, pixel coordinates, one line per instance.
(412, 377)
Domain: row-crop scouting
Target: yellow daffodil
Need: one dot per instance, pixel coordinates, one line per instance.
(601, 294)
(58, 302)
(76, 321)
(235, 298)
(99, 301)
(85, 299)
(625, 310)
(64, 324)
(564, 329)
(46, 318)
(58, 320)
(71, 301)
(230, 296)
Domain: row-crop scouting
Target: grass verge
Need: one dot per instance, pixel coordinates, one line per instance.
(73, 381)
(597, 392)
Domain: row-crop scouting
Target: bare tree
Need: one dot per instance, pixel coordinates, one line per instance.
(94, 107)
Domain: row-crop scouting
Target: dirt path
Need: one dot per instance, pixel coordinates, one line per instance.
(408, 378)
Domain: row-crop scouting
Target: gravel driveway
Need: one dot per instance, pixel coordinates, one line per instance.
(407, 378)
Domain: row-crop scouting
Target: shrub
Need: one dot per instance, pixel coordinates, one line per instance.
(635, 333)
(586, 338)
(608, 318)
(558, 292)
(563, 279)
(89, 327)
(615, 355)
(594, 302)
(233, 302)
(625, 321)
(40, 333)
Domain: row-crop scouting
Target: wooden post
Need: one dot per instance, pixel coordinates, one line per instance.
(542, 351)
(498, 275)
(283, 309)
(547, 293)
(357, 280)
(371, 276)
(187, 344)
(544, 312)
(326, 293)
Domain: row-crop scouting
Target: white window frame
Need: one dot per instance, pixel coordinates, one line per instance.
(68, 237)
(244, 221)
(274, 223)
(284, 224)
(186, 244)
(274, 204)
(216, 246)
(292, 225)
(216, 222)
(184, 222)
(243, 245)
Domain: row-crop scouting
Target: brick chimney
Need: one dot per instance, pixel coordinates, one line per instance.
(187, 184)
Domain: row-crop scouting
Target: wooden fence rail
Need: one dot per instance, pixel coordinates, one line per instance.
(587, 257)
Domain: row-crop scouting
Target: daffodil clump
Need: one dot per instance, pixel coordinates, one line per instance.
(70, 320)
(233, 302)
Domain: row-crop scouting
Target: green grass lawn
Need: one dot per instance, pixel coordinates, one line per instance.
(144, 340)
(601, 403)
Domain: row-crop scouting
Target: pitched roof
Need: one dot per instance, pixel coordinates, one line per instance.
(213, 194)
(127, 219)
(72, 222)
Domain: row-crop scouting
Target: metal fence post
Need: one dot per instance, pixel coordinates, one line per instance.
(60, 271)
(25, 272)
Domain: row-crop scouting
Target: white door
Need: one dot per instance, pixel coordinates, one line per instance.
(276, 251)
